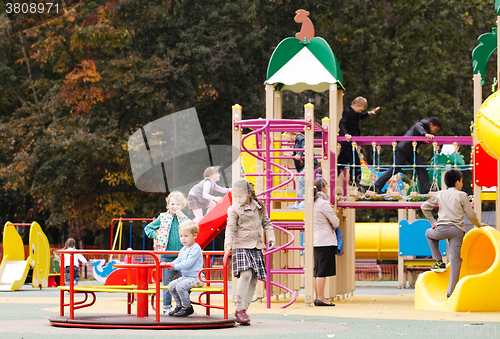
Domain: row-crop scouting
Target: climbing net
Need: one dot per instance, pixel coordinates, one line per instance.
(396, 190)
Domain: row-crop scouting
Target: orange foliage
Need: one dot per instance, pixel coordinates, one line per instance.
(80, 96)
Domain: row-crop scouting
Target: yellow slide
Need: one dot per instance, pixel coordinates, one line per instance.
(477, 290)
(14, 267)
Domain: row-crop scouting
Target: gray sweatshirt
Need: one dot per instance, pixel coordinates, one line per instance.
(452, 206)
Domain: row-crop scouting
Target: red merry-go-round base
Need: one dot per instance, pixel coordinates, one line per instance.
(134, 322)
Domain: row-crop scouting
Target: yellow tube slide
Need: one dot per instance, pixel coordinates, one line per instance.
(376, 240)
(477, 290)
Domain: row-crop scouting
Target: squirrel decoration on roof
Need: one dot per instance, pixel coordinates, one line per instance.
(307, 30)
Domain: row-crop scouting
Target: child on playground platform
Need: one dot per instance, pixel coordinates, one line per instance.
(404, 153)
(299, 142)
(349, 127)
(453, 203)
(200, 195)
(190, 263)
(245, 218)
(78, 257)
(165, 230)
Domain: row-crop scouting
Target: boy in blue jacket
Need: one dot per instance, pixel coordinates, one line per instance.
(190, 263)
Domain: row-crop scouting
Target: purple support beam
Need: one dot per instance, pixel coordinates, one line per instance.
(379, 204)
(460, 140)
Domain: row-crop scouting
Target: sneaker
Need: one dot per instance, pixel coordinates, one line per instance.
(185, 311)
(292, 207)
(176, 309)
(167, 310)
(439, 267)
(301, 206)
(242, 317)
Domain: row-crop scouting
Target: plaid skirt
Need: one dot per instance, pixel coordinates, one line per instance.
(194, 203)
(244, 259)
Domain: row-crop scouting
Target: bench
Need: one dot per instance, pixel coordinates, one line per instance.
(414, 254)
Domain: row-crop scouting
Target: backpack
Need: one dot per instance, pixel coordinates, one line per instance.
(340, 242)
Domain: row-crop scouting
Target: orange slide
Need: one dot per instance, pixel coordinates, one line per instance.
(214, 222)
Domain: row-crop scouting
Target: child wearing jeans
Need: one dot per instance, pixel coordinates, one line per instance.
(165, 230)
(245, 218)
(70, 245)
(190, 262)
(453, 203)
(200, 195)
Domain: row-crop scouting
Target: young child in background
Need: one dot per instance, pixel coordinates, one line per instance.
(298, 160)
(453, 203)
(190, 263)
(200, 195)
(70, 245)
(245, 218)
(349, 127)
(165, 230)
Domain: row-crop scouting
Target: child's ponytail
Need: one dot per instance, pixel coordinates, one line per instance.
(254, 197)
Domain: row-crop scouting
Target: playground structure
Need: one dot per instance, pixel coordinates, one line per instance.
(139, 285)
(298, 65)
(15, 265)
(476, 290)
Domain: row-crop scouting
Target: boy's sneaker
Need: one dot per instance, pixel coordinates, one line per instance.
(185, 311)
(439, 267)
(176, 309)
(167, 310)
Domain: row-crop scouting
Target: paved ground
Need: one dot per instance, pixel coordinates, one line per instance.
(377, 310)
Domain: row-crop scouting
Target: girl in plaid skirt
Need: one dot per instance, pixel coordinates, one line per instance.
(245, 219)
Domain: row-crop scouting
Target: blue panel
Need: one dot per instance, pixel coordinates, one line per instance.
(412, 240)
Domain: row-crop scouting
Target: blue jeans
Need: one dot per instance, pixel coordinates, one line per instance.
(76, 274)
(301, 187)
(180, 288)
(167, 277)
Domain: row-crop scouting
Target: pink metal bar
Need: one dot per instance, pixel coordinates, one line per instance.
(380, 205)
(268, 267)
(380, 140)
(261, 158)
(290, 157)
(272, 174)
(288, 271)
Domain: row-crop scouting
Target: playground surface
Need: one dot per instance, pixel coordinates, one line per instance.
(376, 310)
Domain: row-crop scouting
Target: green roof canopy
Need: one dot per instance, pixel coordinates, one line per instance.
(297, 66)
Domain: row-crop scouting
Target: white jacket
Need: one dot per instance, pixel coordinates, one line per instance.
(325, 222)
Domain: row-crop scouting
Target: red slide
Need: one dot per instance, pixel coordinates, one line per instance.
(214, 222)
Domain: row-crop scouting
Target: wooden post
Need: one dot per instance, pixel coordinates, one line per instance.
(236, 168)
(331, 282)
(269, 101)
(309, 199)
